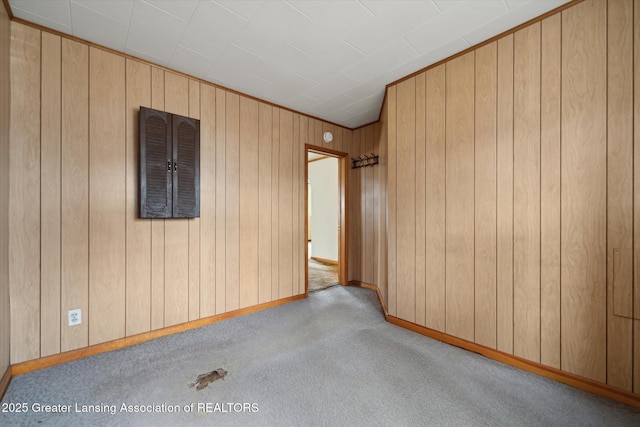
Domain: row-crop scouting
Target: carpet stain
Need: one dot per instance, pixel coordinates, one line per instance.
(203, 380)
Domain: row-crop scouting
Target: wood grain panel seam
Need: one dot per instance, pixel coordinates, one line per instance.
(88, 230)
(61, 199)
(540, 130)
(497, 177)
(40, 202)
(606, 194)
(444, 130)
(415, 207)
(475, 99)
(559, 199)
(126, 183)
(513, 199)
(633, 192)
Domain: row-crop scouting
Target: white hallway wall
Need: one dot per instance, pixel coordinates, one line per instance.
(325, 208)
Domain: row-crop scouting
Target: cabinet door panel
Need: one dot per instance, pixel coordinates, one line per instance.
(186, 176)
(155, 155)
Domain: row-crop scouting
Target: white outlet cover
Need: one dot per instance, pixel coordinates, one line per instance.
(75, 317)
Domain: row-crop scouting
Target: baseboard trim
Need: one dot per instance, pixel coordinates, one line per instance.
(324, 260)
(573, 380)
(68, 356)
(577, 381)
(4, 382)
(373, 288)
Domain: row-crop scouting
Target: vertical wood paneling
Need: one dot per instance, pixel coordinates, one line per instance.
(157, 225)
(504, 211)
(485, 195)
(375, 196)
(275, 205)
(107, 195)
(249, 159)
(138, 237)
(550, 193)
(552, 172)
(526, 193)
(377, 236)
(420, 197)
(194, 223)
(435, 213)
(460, 199)
(285, 200)
(583, 190)
(391, 203)
(221, 203)
(317, 133)
(343, 194)
(594, 161)
(5, 116)
(337, 142)
(233, 202)
(75, 191)
(362, 205)
(264, 203)
(366, 175)
(383, 218)
(365, 207)
(50, 201)
(363, 145)
(176, 261)
(130, 275)
(207, 201)
(619, 190)
(406, 216)
(24, 194)
(303, 238)
(297, 236)
(636, 200)
(355, 199)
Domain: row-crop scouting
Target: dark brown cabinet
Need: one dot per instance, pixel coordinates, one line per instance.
(169, 165)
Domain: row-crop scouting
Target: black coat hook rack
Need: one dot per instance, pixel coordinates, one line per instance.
(364, 160)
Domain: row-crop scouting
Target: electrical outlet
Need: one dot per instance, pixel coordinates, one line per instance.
(75, 317)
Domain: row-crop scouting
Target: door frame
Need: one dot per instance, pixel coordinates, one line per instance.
(343, 241)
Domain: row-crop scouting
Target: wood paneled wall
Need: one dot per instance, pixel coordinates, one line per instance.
(76, 240)
(5, 113)
(367, 208)
(511, 194)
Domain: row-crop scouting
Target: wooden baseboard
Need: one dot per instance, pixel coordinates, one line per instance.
(4, 382)
(57, 359)
(583, 383)
(595, 387)
(374, 288)
(324, 260)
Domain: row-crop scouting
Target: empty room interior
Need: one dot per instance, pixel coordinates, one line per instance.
(480, 166)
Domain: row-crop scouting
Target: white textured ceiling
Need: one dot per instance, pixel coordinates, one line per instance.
(329, 59)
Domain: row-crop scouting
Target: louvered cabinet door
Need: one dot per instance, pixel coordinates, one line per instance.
(155, 164)
(186, 173)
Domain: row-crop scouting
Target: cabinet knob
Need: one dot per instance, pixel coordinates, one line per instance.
(169, 165)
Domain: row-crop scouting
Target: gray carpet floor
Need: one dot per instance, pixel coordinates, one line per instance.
(329, 360)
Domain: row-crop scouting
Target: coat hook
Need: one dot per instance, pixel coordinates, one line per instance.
(364, 160)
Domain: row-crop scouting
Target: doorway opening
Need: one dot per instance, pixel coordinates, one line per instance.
(325, 219)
